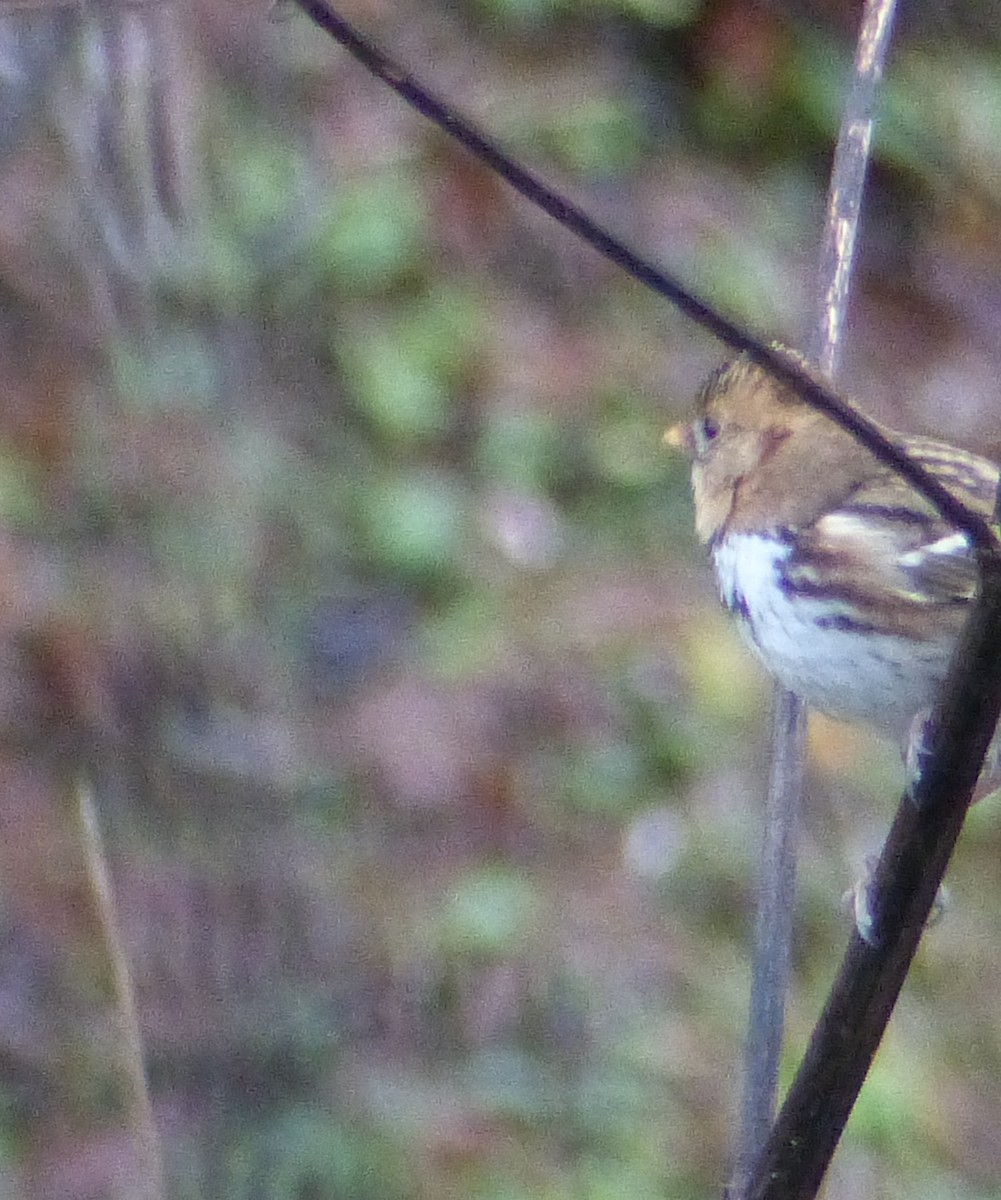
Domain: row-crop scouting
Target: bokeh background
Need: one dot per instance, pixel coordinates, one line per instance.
(341, 555)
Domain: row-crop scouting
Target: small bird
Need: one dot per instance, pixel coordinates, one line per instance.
(847, 583)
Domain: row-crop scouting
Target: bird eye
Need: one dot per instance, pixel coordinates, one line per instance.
(706, 430)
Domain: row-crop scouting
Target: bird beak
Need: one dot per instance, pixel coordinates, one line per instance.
(679, 437)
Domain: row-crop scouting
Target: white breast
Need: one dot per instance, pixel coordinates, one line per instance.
(840, 671)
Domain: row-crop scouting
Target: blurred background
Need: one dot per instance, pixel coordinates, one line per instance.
(341, 555)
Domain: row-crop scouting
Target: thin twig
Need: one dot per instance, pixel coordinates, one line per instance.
(131, 1071)
(848, 174)
(772, 941)
(776, 889)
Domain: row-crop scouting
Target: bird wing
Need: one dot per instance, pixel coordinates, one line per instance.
(887, 550)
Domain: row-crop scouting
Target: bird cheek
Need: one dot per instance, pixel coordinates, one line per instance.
(747, 452)
(713, 501)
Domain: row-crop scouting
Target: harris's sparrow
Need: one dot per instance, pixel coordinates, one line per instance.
(847, 583)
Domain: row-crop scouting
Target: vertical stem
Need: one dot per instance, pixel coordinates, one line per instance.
(772, 934)
(131, 1071)
(776, 890)
(844, 199)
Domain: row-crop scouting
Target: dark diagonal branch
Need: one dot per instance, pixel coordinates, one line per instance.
(812, 388)
(901, 896)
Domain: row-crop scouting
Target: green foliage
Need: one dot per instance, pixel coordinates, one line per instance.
(605, 778)
(22, 495)
(489, 912)
(518, 13)
(519, 448)
(413, 524)
(303, 1153)
(598, 136)
(179, 372)
(373, 231)
(403, 369)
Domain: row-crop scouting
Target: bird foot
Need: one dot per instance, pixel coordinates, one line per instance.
(858, 902)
